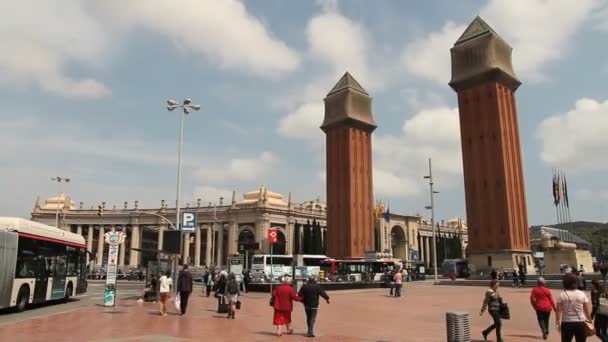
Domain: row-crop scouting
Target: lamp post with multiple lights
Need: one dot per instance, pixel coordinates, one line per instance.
(59, 180)
(432, 208)
(186, 107)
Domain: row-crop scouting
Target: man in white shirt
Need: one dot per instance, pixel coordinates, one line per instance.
(165, 283)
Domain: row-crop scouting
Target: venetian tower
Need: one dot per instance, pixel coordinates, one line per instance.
(484, 79)
(348, 126)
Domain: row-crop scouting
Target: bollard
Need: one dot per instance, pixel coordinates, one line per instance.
(457, 324)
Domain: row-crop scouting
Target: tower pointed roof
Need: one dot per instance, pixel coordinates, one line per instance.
(481, 55)
(347, 81)
(475, 29)
(348, 104)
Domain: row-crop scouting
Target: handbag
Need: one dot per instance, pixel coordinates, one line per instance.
(503, 310)
(177, 303)
(238, 305)
(588, 326)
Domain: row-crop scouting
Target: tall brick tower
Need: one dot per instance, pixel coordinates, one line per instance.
(483, 78)
(348, 127)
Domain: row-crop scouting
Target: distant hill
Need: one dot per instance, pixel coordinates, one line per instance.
(594, 232)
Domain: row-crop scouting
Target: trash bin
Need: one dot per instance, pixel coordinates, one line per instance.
(458, 327)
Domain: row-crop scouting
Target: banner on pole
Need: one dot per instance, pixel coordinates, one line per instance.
(273, 235)
(114, 239)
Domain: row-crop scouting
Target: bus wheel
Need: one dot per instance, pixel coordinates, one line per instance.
(22, 298)
(68, 293)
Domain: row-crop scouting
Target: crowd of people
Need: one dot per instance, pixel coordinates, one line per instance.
(227, 290)
(576, 316)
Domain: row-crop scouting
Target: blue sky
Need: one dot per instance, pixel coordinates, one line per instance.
(84, 83)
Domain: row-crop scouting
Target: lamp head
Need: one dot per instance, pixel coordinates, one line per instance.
(187, 101)
(427, 177)
(428, 207)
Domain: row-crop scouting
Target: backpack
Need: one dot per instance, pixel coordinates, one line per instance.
(233, 287)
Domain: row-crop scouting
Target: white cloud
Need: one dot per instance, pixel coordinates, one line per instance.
(429, 57)
(591, 195)
(565, 136)
(304, 122)
(401, 161)
(239, 169)
(40, 38)
(224, 31)
(538, 31)
(340, 44)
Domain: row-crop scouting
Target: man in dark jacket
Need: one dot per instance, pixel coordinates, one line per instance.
(310, 293)
(184, 286)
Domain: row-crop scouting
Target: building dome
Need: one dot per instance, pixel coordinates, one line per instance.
(62, 201)
(314, 205)
(262, 194)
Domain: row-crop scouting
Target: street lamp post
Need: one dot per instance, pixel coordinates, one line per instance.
(432, 208)
(59, 180)
(186, 107)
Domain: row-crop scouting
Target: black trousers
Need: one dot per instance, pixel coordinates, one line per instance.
(398, 290)
(601, 323)
(496, 325)
(311, 316)
(543, 321)
(208, 289)
(573, 329)
(183, 298)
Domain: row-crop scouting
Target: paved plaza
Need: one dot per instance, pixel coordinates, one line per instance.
(356, 315)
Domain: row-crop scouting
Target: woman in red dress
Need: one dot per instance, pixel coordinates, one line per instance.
(284, 295)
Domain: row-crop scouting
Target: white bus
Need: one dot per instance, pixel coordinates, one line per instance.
(281, 265)
(39, 263)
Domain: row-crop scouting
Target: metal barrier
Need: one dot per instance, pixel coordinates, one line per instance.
(458, 327)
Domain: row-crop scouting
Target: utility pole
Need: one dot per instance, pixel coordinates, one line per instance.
(432, 208)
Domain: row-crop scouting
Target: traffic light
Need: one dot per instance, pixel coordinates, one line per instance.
(99, 210)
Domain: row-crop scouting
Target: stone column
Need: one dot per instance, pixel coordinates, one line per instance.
(79, 230)
(197, 247)
(90, 239)
(220, 244)
(427, 251)
(233, 238)
(208, 245)
(161, 229)
(121, 254)
(100, 245)
(186, 249)
(133, 254)
(290, 238)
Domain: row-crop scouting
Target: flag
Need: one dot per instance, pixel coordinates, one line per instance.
(387, 214)
(558, 185)
(554, 189)
(566, 192)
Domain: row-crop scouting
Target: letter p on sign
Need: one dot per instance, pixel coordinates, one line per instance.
(188, 222)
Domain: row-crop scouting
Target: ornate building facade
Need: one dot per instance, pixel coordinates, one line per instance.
(239, 227)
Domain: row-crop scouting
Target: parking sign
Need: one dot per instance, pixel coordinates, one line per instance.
(188, 222)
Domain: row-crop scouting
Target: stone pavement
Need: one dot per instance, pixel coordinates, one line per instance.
(356, 315)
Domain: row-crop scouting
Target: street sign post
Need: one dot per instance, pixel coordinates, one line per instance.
(272, 239)
(114, 239)
(188, 222)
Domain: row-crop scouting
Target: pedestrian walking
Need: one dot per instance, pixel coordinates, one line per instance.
(282, 302)
(573, 311)
(542, 301)
(604, 271)
(522, 277)
(210, 284)
(515, 278)
(310, 293)
(246, 280)
(492, 302)
(165, 283)
(599, 315)
(494, 274)
(398, 279)
(232, 294)
(220, 289)
(184, 287)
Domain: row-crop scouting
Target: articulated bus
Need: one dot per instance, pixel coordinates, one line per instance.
(39, 263)
(281, 264)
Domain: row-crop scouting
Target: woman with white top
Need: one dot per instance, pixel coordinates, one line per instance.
(165, 283)
(573, 310)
